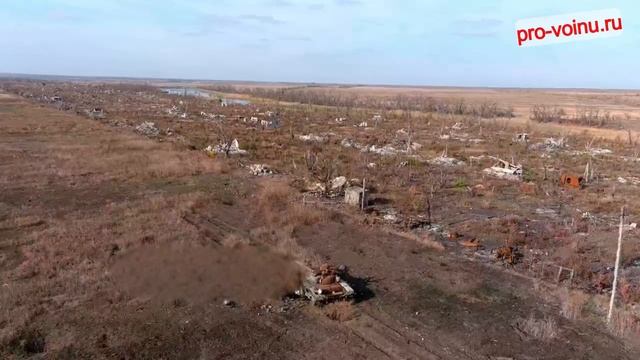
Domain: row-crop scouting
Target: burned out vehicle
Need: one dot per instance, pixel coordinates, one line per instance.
(325, 285)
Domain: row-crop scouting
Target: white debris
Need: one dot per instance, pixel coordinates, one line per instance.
(415, 146)
(555, 143)
(260, 170)
(338, 183)
(390, 215)
(385, 150)
(363, 124)
(173, 111)
(550, 145)
(371, 165)
(460, 137)
(541, 211)
(629, 227)
(457, 126)
(392, 218)
(351, 143)
(505, 170)
(148, 128)
(633, 180)
(312, 137)
(521, 138)
(316, 187)
(234, 148)
(598, 151)
(592, 152)
(446, 161)
(340, 120)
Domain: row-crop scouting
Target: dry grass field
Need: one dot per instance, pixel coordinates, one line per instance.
(122, 236)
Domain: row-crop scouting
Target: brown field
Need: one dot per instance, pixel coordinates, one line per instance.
(120, 241)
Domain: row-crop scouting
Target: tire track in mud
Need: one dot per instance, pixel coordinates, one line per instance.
(388, 340)
(399, 341)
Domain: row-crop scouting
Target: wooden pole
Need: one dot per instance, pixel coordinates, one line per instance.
(364, 190)
(615, 272)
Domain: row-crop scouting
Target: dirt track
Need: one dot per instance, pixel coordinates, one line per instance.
(78, 197)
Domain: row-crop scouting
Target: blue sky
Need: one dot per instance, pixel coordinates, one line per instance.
(452, 43)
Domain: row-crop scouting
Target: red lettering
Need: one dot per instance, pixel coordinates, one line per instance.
(520, 33)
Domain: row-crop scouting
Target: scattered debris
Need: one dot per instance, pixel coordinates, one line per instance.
(260, 170)
(592, 152)
(231, 149)
(96, 113)
(457, 126)
(312, 137)
(505, 170)
(549, 145)
(541, 211)
(390, 216)
(633, 180)
(338, 183)
(521, 138)
(148, 128)
(384, 150)
(444, 160)
(363, 124)
(352, 144)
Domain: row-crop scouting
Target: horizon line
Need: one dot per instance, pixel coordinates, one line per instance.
(58, 77)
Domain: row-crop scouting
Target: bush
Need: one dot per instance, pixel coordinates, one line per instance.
(340, 311)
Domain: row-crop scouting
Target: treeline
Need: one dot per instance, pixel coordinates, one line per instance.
(306, 95)
(583, 116)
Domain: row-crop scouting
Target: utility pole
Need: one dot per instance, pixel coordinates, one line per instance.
(615, 272)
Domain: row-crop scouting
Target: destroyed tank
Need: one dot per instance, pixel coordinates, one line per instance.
(325, 285)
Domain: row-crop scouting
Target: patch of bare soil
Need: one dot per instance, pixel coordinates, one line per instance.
(197, 275)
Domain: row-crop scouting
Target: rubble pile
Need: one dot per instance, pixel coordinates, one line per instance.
(231, 149)
(260, 170)
(312, 137)
(505, 170)
(444, 160)
(148, 128)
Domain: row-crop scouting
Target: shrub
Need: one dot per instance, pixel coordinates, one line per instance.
(340, 311)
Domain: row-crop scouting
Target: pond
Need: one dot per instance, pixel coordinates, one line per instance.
(186, 92)
(236, 101)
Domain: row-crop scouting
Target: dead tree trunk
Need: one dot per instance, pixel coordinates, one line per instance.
(615, 271)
